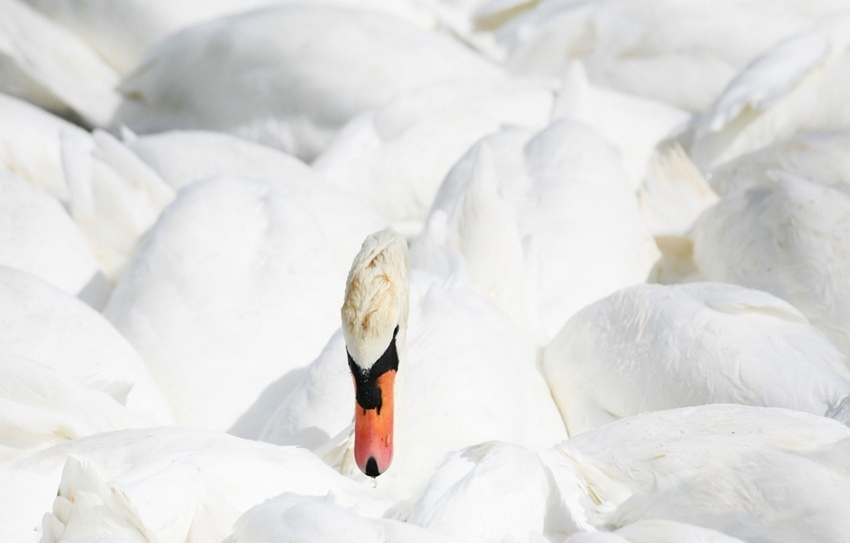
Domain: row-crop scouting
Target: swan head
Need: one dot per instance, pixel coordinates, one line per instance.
(374, 324)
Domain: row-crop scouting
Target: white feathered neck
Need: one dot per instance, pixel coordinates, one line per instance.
(376, 297)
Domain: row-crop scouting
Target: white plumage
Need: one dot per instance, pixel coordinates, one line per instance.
(788, 239)
(287, 76)
(214, 299)
(651, 347)
(683, 53)
(523, 214)
(720, 467)
(539, 160)
(466, 375)
(798, 86)
(38, 236)
(51, 67)
(46, 325)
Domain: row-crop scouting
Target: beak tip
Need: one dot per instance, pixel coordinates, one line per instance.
(372, 467)
(374, 464)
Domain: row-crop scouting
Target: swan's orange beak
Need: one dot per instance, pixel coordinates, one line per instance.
(373, 430)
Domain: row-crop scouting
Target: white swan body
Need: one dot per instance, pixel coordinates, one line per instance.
(114, 198)
(37, 236)
(397, 155)
(113, 485)
(80, 376)
(51, 67)
(43, 406)
(747, 472)
(214, 299)
(698, 465)
(32, 144)
(653, 347)
(290, 517)
(634, 125)
(491, 492)
(50, 327)
(184, 157)
(522, 215)
(788, 239)
(798, 86)
(655, 531)
(680, 53)
(673, 193)
(287, 76)
(819, 157)
(122, 33)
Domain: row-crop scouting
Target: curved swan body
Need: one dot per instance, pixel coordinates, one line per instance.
(789, 239)
(681, 53)
(114, 485)
(798, 86)
(746, 472)
(49, 66)
(491, 224)
(212, 346)
(654, 347)
(288, 76)
(56, 330)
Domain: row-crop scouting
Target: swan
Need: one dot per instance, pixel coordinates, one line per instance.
(111, 195)
(293, 517)
(161, 484)
(789, 239)
(32, 144)
(515, 493)
(114, 198)
(182, 157)
(38, 236)
(798, 86)
(288, 76)
(523, 213)
(655, 531)
(654, 347)
(49, 327)
(373, 314)
(632, 124)
(224, 275)
(123, 33)
(53, 68)
(747, 472)
(43, 406)
(679, 53)
(699, 465)
(396, 155)
(819, 157)
(465, 375)
(399, 153)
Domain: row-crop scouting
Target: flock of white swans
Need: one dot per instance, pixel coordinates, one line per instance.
(607, 244)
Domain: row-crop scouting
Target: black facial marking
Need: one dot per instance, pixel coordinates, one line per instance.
(366, 382)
